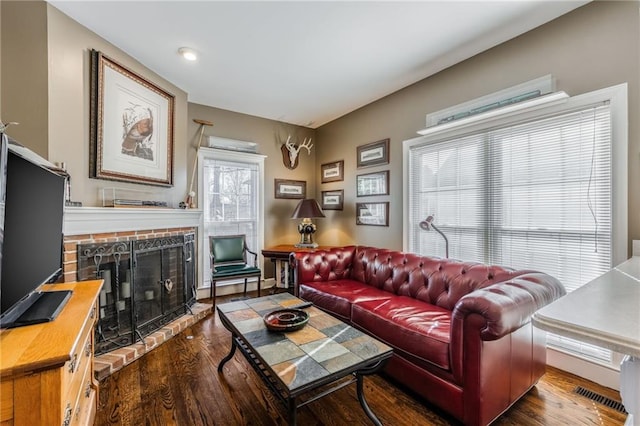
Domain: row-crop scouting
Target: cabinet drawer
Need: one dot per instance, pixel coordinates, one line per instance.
(83, 395)
(6, 401)
(86, 411)
(80, 359)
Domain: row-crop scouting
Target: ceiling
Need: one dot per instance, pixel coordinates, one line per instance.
(305, 62)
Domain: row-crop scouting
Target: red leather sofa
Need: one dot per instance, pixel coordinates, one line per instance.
(461, 331)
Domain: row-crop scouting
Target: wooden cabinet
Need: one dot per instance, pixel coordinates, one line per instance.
(46, 370)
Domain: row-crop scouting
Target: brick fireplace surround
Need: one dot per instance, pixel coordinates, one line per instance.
(84, 225)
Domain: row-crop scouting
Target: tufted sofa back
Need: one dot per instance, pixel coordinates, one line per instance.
(441, 282)
(331, 264)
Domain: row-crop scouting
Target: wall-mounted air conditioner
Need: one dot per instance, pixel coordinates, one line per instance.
(231, 144)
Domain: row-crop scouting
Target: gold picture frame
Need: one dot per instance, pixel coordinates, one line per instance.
(132, 123)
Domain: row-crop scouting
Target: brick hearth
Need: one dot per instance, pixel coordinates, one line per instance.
(109, 363)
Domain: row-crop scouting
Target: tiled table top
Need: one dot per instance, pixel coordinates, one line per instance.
(324, 348)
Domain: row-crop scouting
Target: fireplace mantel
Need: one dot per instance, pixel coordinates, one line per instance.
(90, 220)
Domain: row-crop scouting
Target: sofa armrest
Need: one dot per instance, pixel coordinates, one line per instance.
(484, 320)
(508, 305)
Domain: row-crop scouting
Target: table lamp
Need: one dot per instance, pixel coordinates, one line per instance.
(306, 210)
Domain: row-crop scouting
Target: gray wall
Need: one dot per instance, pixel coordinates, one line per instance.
(279, 227)
(69, 119)
(593, 47)
(46, 88)
(24, 77)
(45, 85)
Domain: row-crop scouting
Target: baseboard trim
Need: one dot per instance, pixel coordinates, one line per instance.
(603, 375)
(225, 290)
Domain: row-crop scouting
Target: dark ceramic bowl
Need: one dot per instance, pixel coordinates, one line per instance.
(286, 320)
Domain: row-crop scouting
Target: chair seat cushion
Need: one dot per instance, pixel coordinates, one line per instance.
(418, 329)
(224, 271)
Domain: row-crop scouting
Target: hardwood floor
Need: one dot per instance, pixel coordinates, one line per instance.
(178, 384)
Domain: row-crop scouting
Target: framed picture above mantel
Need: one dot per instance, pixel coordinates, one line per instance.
(131, 128)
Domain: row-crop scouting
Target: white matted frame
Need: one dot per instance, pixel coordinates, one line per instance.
(332, 172)
(376, 214)
(131, 126)
(373, 154)
(292, 189)
(369, 184)
(333, 200)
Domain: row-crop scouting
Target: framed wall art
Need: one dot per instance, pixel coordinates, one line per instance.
(293, 189)
(376, 214)
(373, 154)
(332, 172)
(131, 126)
(372, 184)
(332, 200)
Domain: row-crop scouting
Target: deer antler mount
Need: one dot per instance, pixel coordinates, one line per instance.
(290, 152)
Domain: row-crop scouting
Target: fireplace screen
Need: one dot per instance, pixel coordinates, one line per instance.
(147, 283)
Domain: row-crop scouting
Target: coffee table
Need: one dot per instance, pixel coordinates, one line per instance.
(324, 356)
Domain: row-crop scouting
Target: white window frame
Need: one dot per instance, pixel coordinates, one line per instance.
(209, 154)
(616, 96)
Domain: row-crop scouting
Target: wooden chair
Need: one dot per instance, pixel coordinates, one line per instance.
(228, 254)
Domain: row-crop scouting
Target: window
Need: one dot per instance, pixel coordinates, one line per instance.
(533, 191)
(232, 201)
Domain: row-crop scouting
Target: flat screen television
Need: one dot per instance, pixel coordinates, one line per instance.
(31, 241)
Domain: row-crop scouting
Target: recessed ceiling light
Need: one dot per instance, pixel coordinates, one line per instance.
(188, 53)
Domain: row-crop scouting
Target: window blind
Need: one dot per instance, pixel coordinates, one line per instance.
(530, 195)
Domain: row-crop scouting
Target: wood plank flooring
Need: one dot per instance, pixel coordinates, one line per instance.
(178, 384)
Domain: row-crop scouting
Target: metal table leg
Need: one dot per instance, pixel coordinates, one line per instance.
(292, 411)
(229, 356)
(360, 391)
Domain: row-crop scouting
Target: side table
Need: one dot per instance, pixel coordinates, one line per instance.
(604, 312)
(279, 255)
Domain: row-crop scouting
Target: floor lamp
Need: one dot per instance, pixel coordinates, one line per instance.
(427, 224)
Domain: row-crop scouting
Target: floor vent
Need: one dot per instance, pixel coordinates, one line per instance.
(601, 399)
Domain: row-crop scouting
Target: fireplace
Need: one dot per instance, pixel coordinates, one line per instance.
(147, 283)
(123, 238)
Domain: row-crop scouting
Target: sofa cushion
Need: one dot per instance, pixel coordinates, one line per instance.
(419, 329)
(337, 296)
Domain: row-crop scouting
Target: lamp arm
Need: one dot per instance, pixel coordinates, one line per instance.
(446, 240)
